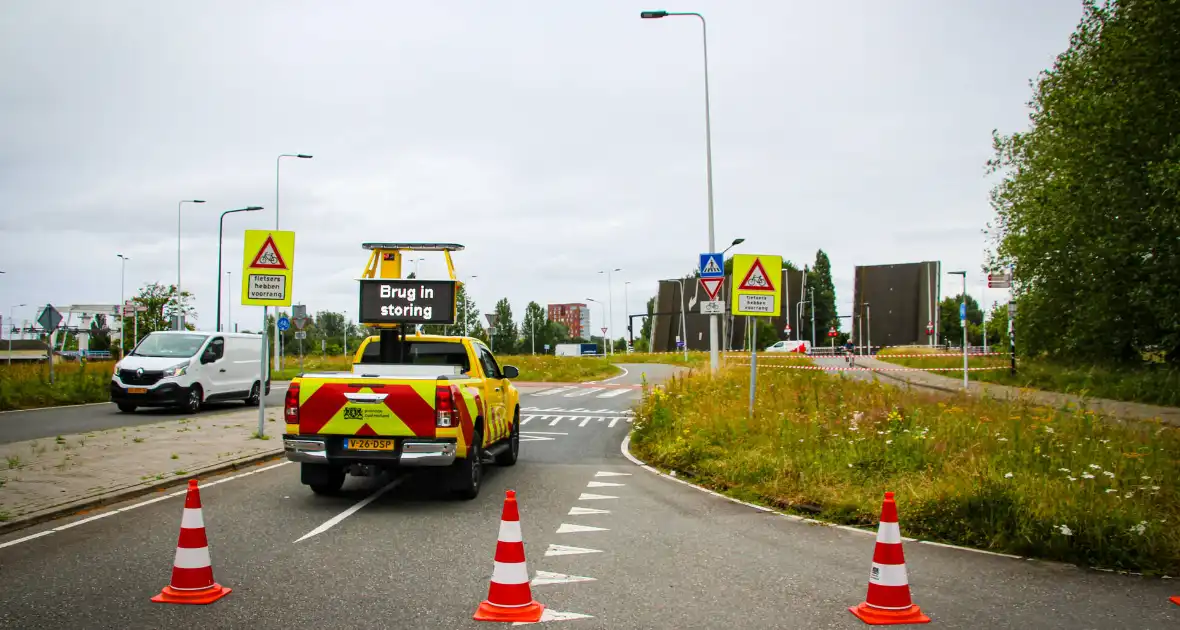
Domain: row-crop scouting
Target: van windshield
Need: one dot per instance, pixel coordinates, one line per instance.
(180, 346)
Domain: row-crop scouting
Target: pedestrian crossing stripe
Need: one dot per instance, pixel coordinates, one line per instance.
(578, 392)
(579, 420)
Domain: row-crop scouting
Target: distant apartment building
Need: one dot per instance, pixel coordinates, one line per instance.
(575, 317)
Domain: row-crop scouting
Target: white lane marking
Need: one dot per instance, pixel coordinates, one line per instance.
(604, 473)
(525, 420)
(543, 433)
(588, 496)
(586, 391)
(581, 511)
(55, 408)
(566, 550)
(133, 506)
(617, 392)
(332, 522)
(573, 528)
(526, 437)
(550, 392)
(547, 577)
(554, 615)
(604, 484)
(555, 421)
(612, 422)
(584, 421)
(607, 380)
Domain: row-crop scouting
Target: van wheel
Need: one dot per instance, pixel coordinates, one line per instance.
(127, 407)
(322, 478)
(192, 401)
(508, 457)
(252, 400)
(468, 472)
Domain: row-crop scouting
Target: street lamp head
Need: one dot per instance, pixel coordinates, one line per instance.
(198, 201)
(653, 15)
(737, 241)
(957, 273)
(304, 156)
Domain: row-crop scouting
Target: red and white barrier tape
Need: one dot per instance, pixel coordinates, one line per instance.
(836, 368)
(883, 357)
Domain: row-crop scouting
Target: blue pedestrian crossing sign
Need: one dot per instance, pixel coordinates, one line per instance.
(711, 266)
(284, 323)
(963, 312)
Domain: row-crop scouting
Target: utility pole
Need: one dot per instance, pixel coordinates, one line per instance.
(963, 322)
(812, 292)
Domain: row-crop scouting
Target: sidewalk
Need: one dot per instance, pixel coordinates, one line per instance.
(50, 476)
(1112, 408)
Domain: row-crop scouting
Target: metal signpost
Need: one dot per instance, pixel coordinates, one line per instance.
(1004, 281)
(49, 319)
(268, 268)
(758, 294)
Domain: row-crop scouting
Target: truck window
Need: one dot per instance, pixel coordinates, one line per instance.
(490, 369)
(424, 353)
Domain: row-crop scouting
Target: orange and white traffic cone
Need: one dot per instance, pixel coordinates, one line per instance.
(888, 601)
(1176, 600)
(509, 596)
(192, 570)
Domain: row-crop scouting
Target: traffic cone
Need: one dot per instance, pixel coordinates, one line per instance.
(1176, 600)
(509, 596)
(888, 601)
(192, 571)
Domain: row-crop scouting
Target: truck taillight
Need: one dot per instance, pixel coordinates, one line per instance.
(291, 404)
(444, 407)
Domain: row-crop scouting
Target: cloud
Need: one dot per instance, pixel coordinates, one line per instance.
(553, 141)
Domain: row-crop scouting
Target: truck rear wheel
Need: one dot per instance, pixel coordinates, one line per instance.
(322, 478)
(508, 457)
(468, 472)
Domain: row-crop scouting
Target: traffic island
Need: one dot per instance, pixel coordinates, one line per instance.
(52, 477)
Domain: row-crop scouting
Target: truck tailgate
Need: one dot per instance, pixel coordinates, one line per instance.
(357, 406)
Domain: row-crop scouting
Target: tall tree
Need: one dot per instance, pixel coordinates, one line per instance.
(1088, 208)
(468, 312)
(160, 301)
(948, 320)
(100, 335)
(504, 335)
(645, 329)
(532, 329)
(819, 280)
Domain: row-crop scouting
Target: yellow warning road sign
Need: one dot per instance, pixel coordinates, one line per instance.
(268, 264)
(757, 285)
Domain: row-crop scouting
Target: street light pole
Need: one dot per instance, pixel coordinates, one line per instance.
(278, 338)
(464, 327)
(229, 304)
(627, 314)
(590, 299)
(122, 306)
(713, 326)
(610, 297)
(220, 230)
(963, 322)
(180, 322)
(11, 314)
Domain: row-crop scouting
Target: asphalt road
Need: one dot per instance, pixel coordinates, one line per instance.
(33, 424)
(666, 556)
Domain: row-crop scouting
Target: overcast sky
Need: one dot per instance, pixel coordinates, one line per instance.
(552, 139)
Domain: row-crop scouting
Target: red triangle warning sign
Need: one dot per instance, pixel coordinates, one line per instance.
(268, 256)
(712, 286)
(756, 279)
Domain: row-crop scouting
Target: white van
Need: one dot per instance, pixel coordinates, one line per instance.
(187, 368)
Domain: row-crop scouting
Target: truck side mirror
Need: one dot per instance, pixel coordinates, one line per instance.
(510, 371)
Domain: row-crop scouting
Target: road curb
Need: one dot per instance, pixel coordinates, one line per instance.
(132, 491)
(625, 447)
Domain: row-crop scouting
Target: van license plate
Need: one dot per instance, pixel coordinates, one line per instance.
(136, 390)
(362, 444)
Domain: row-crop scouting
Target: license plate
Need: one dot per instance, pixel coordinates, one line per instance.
(365, 444)
(136, 390)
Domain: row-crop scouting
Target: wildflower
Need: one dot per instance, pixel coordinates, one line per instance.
(889, 441)
(1049, 430)
(1108, 474)
(1095, 467)
(1003, 439)
(1140, 528)
(850, 465)
(1128, 495)
(1073, 478)
(1105, 441)
(1145, 478)
(1064, 470)
(1155, 487)
(1087, 476)
(800, 441)
(1065, 530)
(1007, 475)
(880, 433)
(1108, 490)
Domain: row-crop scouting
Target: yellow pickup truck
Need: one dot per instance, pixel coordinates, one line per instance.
(430, 401)
(409, 400)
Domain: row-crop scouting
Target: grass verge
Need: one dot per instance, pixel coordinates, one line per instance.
(26, 385)
(996, 475)
(1154, 384)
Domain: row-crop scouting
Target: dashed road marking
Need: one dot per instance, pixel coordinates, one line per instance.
(554, 615)
(573, 528)
(589, 496)
(604, 473)
(581, 511)
(566, 550)
(612, 394)
(586, 391)
(546, 577)
(604, 484)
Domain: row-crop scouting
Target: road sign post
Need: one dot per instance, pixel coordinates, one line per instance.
(268, 269)
(49, 319)
(712, 267)
(757, 294)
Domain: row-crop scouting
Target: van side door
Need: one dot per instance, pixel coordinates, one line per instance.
(214, 374)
